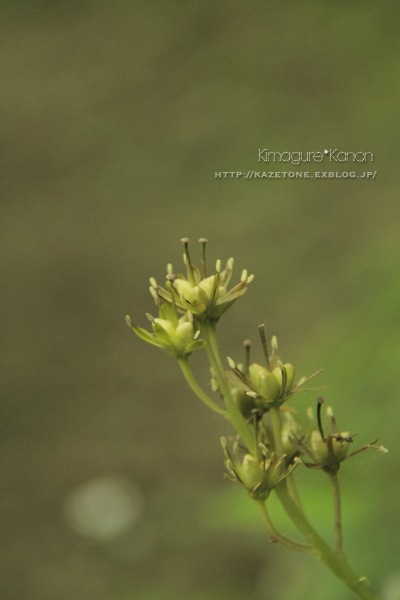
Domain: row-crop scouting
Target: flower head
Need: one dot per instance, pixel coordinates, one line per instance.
(330, 450)
(174, 335)
(271, 385)
(258, 477)
(207, 298)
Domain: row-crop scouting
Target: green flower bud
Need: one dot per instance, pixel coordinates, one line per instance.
(321, 452)
(250, 471)
(185, 289)
(205, 297)
(245, 403)
(290, 372)
(259, 478)
(205, 294)
(269, 385)
(272, 475)
(264, 382)
(176, 337)
(210, 284)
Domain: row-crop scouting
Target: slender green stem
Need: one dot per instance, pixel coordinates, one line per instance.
(276, 429)
(262, 509)
(278, 444)
(214, 344)
(234, 414)
(293, 491)
(335, 561)
(186, 370)
(338, 512)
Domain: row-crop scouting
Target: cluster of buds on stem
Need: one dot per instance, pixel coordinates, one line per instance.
(200, 299)
(207, 298)
(259, 477)
(191, 305)
(267, 386)
(177, 336)
(327, 451)
(270, 444)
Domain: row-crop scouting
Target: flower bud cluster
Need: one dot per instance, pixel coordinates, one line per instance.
(270, 444)
(207, 298)
(199, 298)
(330, 450)
(267, 386)
(176, 336)
(271, 385)
(259, 477)
(194, 303)
(327, 451)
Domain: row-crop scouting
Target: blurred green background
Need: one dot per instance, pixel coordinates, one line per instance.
(114, 119)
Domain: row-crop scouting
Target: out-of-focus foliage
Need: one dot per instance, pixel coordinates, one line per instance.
(114, 118)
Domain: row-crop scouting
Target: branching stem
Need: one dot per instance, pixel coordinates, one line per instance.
(335, 561)
(187, 372)
(233, 411)
(262, 509)
(293, 491)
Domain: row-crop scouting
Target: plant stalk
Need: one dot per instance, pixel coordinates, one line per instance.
(335, 561)
(262, 509)
(293, 491)
(338, 511)
(187, 372)
(233, 411)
